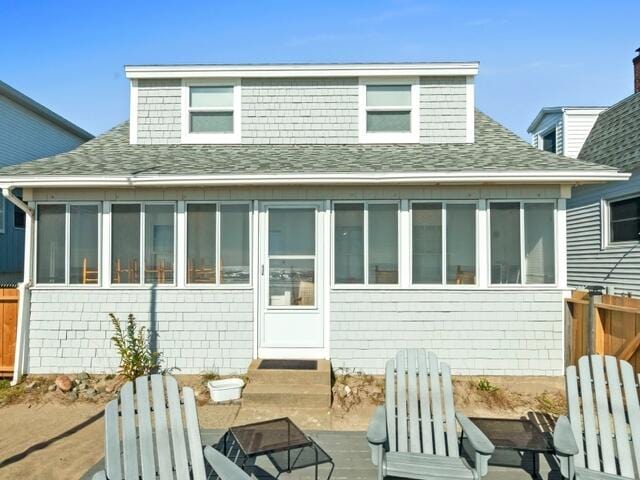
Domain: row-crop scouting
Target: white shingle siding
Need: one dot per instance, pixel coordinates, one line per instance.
(198, 330)
(588, 263)
(159, 111)
(443, 110)
(479, 333)
(303, 110)
(25, 135)
(315, 110)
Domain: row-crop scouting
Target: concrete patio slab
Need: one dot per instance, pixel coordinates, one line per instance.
(351, 455)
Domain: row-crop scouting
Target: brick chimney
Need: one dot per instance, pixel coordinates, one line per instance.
(636, 72)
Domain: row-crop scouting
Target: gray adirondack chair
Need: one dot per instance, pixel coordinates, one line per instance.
(145, 435)
(413, 435)
(601, 438)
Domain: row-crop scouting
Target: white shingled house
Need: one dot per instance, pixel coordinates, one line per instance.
(334, 212)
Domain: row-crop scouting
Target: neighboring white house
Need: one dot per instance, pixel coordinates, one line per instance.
(336, 211)
(563, 130)
(28, 130)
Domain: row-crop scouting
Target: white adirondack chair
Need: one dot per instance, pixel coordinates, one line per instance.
(601, 438)
(145, 435)
(413, 435)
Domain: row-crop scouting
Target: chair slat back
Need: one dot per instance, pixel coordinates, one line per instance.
(601, 397)
(419, 403)
(153, 446)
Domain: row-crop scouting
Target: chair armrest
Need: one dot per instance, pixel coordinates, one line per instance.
(224, 468)
(564, 441)
(377, 431)
(99, 476)
(478, 440)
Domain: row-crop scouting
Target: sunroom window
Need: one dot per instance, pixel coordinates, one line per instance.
(453, 253)
(68, 239)
(218, 242)
(155, 223)
(522, 243)
(366, 243)
(389, 112)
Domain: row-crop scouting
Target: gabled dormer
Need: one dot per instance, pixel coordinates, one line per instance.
(303, 104)
(563, 130)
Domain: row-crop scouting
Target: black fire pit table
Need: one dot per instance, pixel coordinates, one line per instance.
(287, 447)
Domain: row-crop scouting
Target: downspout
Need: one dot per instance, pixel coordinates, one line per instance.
(24, 303)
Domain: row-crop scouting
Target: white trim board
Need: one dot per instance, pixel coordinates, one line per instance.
(374, 178)
(303, 70)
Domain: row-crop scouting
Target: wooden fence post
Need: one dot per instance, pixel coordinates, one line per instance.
(595, 296)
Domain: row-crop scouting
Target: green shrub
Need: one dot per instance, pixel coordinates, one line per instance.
(132, 343)
(485, 385)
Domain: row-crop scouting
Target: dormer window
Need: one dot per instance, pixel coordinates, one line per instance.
(211, 112)
(389, 111)
(549, 141)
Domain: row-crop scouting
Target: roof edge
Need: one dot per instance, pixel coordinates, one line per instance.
(303, 70)
(455, 178)
(561, 109)
(39, 109)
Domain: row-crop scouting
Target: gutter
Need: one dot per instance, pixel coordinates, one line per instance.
(374, 178)
(24, 303)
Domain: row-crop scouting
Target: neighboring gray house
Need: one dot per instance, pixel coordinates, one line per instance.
(563, 130)
(603, 221)
(335, 211)
(28, 131)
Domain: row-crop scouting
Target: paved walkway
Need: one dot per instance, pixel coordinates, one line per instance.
(351, 455)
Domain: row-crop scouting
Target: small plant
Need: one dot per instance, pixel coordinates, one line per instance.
(485, 385)
(551, 403)
(4, 384)
(209, 376)
(136, 356)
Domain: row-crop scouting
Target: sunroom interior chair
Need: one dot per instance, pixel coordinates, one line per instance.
(413, 435)
(600, 439)
(145, 435)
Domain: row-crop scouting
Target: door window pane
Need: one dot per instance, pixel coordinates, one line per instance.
(539, 242)
(388, 95)
(625, 220)
(291, 282)
(125, 243)
(83, 244)
(505, 243)
(292, 231)
(234, 244)
(388, 121)
(212, 97)
(461, 244)
(51, 244)
(158, 243)
(427, 242)
(383, 243)
(201, 243)
(349, 242)
(212, 122)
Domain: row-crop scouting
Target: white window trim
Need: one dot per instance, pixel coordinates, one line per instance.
(3, 214)
(142, 283)
(366, 285)
(605, 225)
(523, 265)
(389, 137)
(443, 212)
(67, 247)
(185, 253)
(543, 133)
(201, 138)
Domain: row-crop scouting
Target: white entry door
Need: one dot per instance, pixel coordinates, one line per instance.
(291, 280)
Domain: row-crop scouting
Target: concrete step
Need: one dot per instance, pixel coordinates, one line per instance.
(305, 418)
(321, 376)
(306, 395)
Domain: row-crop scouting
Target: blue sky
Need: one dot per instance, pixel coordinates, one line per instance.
(69, 55)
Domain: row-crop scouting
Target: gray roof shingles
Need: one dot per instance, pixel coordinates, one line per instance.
(615, 137)
(110, 154)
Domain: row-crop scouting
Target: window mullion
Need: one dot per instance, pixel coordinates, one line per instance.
(218, 239)
(67, 239)
(523, 259)
(443, 221)
(141, 253)
(366, 243)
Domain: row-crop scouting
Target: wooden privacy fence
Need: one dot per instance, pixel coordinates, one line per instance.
(8, 326)
(602, 324)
